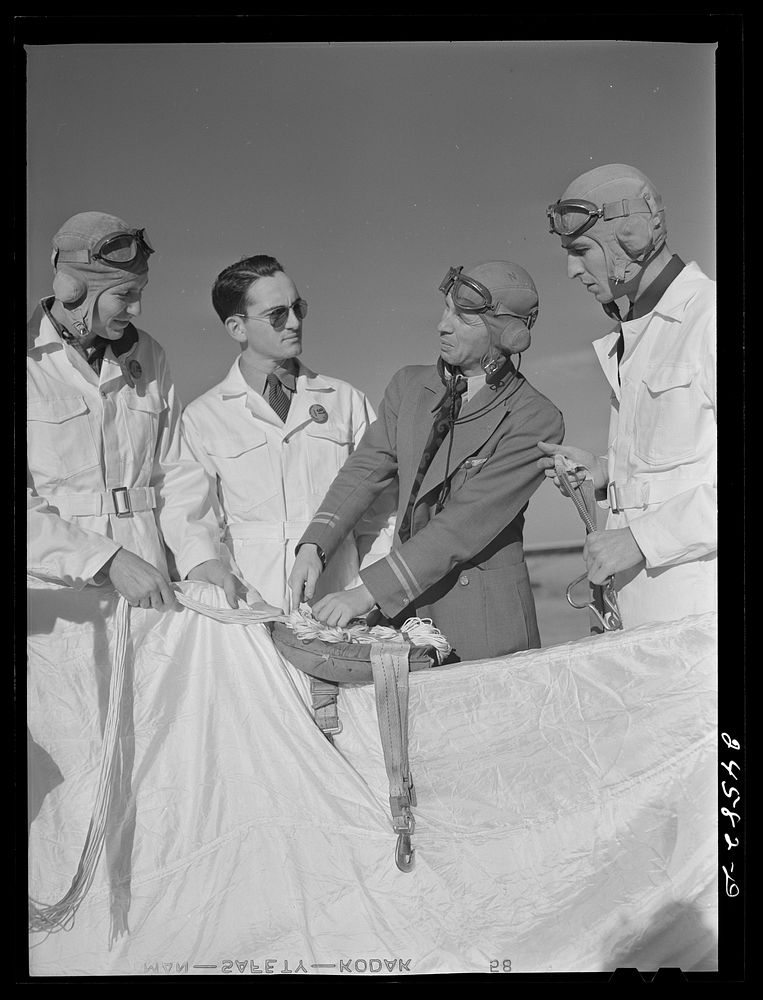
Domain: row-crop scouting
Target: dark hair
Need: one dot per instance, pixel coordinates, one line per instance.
(231, 285)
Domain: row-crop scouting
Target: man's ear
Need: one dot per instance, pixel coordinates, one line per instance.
(236, 329)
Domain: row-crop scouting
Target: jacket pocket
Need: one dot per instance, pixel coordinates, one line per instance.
(245, 468)
(667, 411)
(60, 441)
(329, 446)
(468, 469)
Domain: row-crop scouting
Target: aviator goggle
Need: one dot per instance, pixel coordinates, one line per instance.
(114, 250)
(279, 317)
(572, 218)
(471, 296)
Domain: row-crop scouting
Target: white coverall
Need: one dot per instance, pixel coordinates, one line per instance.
(270, 477)
(662, 451)
(88, 435)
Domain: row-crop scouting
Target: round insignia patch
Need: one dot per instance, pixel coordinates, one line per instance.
(134, 368)
(318, 414)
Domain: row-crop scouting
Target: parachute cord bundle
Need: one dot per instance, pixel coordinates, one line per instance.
(417, 631)
(60, 916)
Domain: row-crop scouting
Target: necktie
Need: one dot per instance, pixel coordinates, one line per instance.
(443, 422)
(278, 399)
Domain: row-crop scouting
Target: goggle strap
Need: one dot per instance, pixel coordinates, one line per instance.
(624, 207)
(72, 257)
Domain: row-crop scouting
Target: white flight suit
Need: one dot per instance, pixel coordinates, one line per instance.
(91, 435)
(662, 451)
(270, 477)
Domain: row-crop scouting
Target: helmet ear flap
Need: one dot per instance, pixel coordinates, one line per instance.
(68, 288)
(634, 234)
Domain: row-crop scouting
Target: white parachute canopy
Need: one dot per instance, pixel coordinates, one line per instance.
(565, 816)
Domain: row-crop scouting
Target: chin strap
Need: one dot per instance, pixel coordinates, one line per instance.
(612, 310)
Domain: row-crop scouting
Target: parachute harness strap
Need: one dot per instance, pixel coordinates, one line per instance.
(608, 612)
(60, 916)
(389, 663)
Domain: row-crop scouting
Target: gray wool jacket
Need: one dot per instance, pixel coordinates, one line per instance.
(463, 565)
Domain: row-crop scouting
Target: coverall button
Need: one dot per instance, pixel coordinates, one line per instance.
(463, 580)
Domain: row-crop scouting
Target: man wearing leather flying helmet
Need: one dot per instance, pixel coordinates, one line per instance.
(109, 484)
(658, 479)
(460, 438)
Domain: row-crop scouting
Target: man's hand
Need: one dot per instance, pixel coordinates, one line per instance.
(342, 607)
(608, 552)
(213, 571)
(586, 459)
(307, 567)
(140, 583)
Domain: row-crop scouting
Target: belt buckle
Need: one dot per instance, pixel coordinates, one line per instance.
(612, 498)
(121, 508)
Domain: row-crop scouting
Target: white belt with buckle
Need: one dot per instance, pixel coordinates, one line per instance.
(123, 501)
(640, 493)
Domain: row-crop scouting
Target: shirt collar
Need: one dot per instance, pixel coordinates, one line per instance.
(234, 383)
(651, 296)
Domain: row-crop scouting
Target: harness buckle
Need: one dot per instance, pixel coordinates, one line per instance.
(403, 820)
(332, 730)
(612, 498)
(122, 506)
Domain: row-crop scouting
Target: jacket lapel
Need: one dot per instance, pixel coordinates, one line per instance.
(606, 352)
(415, 431)
(470, 435)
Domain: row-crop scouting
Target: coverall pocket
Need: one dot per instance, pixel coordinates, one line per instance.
(329, 447)
(60, 441)
(142, 423)
(665, 430)
(243, 464)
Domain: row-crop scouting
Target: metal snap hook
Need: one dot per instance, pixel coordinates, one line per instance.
(404, 853)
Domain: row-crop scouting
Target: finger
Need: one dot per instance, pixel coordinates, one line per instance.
(309, 585)
(551, 449)
(319, 608)
(334, 617)
(145, 602)
(294, 587)
(229, 586)
(167, 596)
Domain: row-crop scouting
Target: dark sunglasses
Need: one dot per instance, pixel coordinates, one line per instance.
(279, 317)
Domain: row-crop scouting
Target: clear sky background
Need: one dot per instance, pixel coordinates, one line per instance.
(368, 169)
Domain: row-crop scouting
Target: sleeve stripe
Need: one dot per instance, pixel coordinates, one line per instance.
(401, 570)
